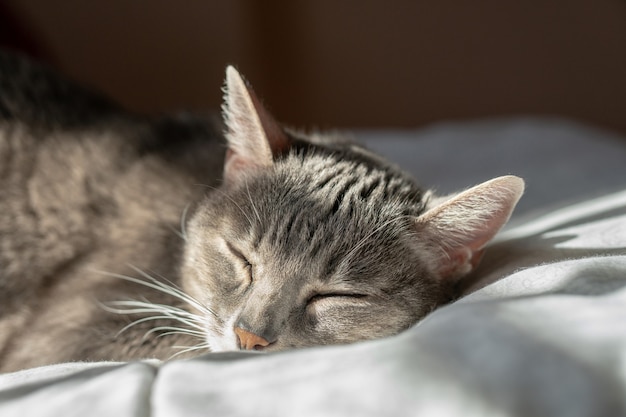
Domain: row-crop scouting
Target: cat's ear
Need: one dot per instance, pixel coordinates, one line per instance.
(254, 137)
(453, 233)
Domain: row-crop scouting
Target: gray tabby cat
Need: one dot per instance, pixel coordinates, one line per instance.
(260, 238)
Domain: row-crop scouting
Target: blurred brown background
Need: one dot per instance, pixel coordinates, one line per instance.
(326, 63)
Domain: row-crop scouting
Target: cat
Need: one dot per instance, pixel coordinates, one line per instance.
(126, 237)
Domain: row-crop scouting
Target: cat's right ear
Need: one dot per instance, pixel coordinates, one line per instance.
(254, 137)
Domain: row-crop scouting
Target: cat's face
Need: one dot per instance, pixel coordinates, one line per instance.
(315, 250)
(315, 242)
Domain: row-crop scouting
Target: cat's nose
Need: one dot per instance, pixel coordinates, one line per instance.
(250, 341)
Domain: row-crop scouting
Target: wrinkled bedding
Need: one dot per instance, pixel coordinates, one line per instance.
(542, 331)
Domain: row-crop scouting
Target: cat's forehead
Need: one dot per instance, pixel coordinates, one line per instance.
(323, 207)
(350, 176)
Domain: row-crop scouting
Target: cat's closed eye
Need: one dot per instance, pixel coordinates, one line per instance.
(247, 265)
(334, 296)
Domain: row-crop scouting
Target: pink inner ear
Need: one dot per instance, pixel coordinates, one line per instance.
(237, 167)
(254, 137)
(233, 161)
(477, 256)
(456, 231)
(274, 134)
(460, 262)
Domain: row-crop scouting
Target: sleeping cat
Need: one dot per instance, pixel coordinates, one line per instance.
(124, 237)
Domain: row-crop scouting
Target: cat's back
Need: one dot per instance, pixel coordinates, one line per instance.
(39, 105)
(36, 95)
(78, 174)
(61, 142)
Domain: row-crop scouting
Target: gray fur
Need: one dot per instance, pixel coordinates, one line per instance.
(108, 218)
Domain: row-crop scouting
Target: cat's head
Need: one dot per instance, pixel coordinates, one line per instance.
(314, 241)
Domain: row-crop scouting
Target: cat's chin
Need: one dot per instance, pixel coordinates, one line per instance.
(223, 347)
(222, 343)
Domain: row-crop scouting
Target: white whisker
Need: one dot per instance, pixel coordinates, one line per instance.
(185, 297)
(191, 324)
(187, 349)
(189, 319)
(183, 219)
(139, 321)
(182, 233)
(168, 330)
(178, 233)
(176, 331)
(252, 203)
(161, 287)
(171, 289)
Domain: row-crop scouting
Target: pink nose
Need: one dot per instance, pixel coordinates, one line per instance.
(250, 341)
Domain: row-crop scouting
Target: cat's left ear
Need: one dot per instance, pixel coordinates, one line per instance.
(254, 137)
(454, 232)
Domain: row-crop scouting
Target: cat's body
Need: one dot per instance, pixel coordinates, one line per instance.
(282, 240)
(79, 183)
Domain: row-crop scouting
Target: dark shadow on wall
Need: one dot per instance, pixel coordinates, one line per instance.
(367, 64)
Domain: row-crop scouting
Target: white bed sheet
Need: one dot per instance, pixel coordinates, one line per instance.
(543, 332)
